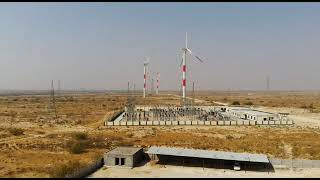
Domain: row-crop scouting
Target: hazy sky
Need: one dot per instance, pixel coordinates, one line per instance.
(103, 45)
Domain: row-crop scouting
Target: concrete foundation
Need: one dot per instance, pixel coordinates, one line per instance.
(116, 123)
(162, 123)
(182, 123)
(233, 123)
(156, 123)
(265, 122)
(201, 123)
(207, 123)
(168, 123)
(129, 123)
(188, 122)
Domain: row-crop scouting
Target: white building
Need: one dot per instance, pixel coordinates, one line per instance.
(251, 114)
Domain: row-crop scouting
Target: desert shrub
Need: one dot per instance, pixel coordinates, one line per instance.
(249, 103)
(235, 103)
(51, 136)
(80, 136)
(16, 131)
(77, 148)
(304, 107)
(62, 170)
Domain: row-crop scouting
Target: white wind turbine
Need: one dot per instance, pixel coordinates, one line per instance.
(184, 66)
(145, 64)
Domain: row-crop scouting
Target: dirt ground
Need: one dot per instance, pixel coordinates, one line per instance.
(44, 145)
(169, 171)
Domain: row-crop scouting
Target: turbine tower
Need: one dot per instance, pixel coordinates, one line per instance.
(145, 64)
(184, 66)
(158, 77)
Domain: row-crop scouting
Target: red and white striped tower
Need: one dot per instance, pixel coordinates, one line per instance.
(158, 77)
(184, 66)
(184, 69)
(145, 63)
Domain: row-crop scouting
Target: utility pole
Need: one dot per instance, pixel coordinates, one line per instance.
(52, 103)
(152, 86)
(268, 83)
(59, 88)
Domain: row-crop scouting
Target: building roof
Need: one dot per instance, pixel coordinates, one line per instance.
(208, 154)
(124, 151)
(251, 111)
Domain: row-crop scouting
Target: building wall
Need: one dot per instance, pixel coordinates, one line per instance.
(138, 157)
(130, 160)
(109, 160)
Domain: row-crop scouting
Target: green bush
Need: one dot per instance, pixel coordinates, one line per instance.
(80, 136)
(235, 103)
(16, 131)
(77, 148)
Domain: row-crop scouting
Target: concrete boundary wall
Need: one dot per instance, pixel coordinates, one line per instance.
(220, 123)
(143, 123)
(214, 123)
(227, 123)
(295, 163)
(194, 122)
(136, 123)
(198, 123)
(252, 123)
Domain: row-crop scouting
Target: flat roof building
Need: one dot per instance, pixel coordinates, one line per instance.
(124, 157)
(251, 114)
(205, 158)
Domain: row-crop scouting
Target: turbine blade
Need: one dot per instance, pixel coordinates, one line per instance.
(189, 51)
(199, 58)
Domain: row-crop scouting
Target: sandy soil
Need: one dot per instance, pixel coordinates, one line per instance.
(155, 171)
(301, 117)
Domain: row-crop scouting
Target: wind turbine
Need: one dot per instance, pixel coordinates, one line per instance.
(145, 64)
(184, 66)
(158, 78)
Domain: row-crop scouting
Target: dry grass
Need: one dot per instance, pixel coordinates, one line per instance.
(47, 141)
